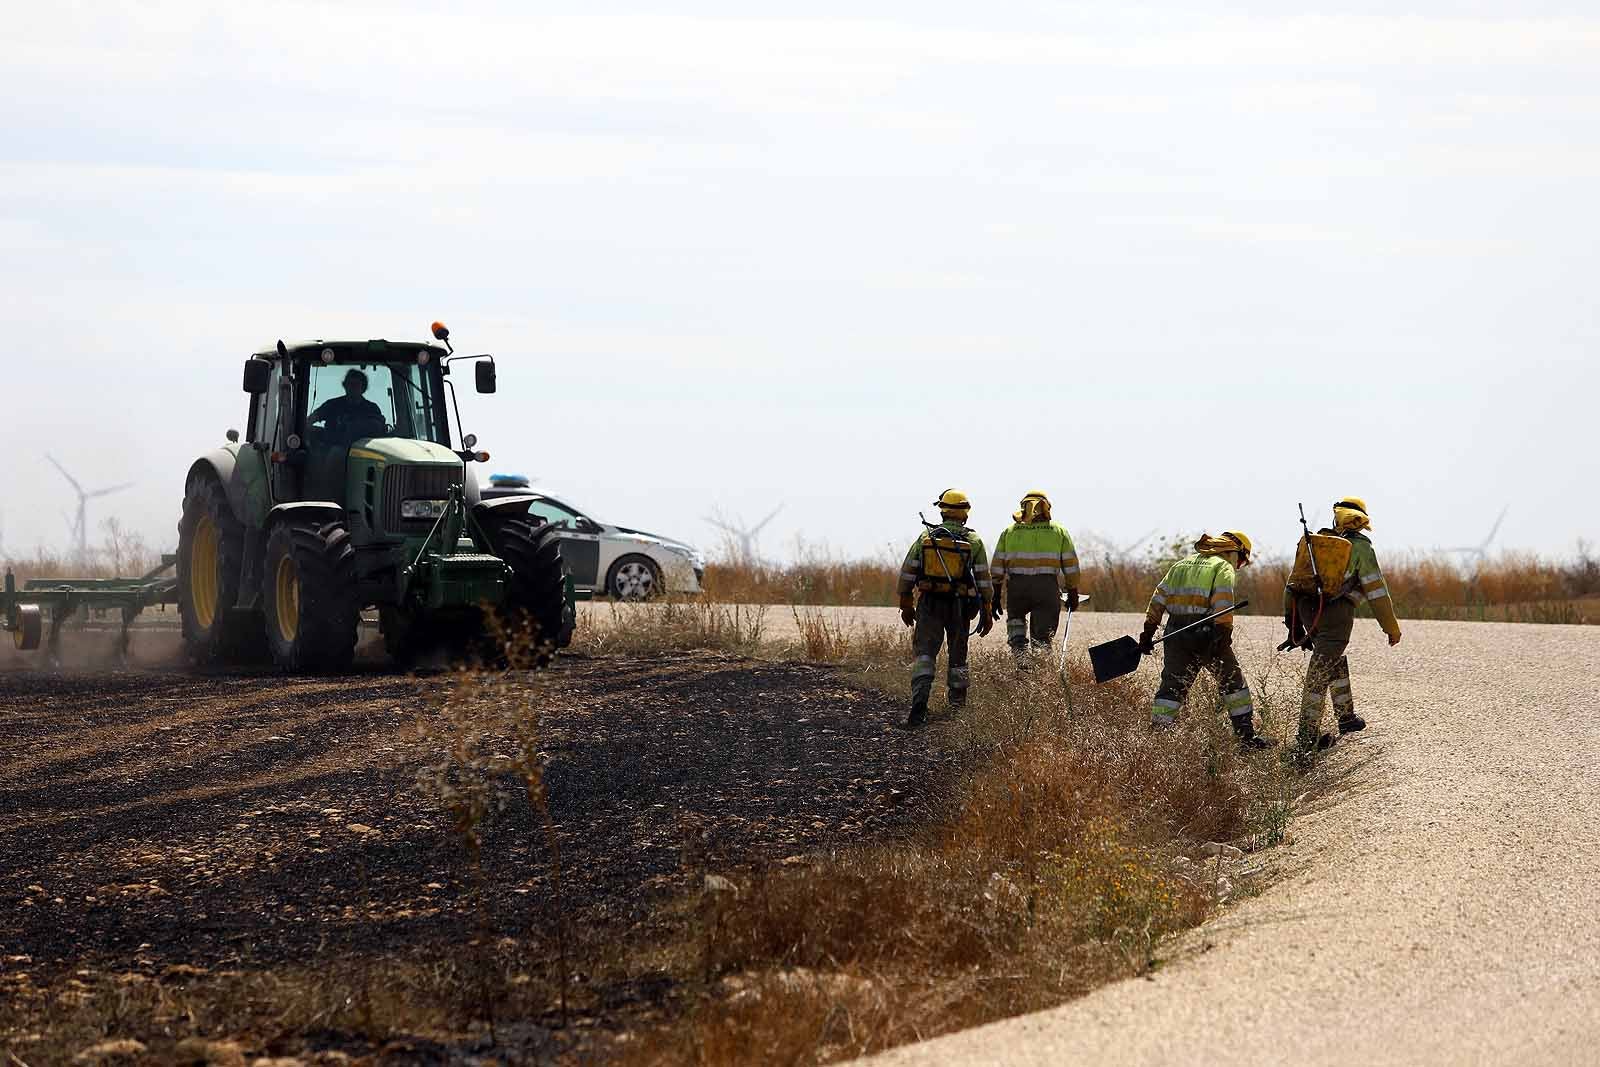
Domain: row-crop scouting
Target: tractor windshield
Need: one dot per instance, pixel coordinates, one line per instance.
(346, 401)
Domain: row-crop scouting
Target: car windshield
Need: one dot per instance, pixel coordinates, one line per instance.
(350, 400)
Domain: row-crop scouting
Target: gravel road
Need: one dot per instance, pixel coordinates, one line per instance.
(1442, 907)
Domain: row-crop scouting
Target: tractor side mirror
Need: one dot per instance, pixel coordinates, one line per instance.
(485, 373)
(257, 374)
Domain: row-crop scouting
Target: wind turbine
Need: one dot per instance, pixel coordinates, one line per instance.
(80, 524)
(745, 535)
(1479, 551)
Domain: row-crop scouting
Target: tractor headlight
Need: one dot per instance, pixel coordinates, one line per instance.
(421, 509)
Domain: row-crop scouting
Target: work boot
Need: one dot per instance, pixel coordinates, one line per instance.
(918, 716)
(1245, 731)
(958, 698)
(1349, 724)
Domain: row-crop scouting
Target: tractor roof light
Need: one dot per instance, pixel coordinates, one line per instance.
(441, 332)
(327, 355)
(423, 357)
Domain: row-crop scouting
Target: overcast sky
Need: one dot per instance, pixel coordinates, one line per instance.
(1179, 265)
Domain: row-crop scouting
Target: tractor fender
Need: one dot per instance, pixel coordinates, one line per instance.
(325, 510)
(220, 464)
(242, 473)
(502, 506)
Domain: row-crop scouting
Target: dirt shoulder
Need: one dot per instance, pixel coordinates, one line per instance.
(1444, 905)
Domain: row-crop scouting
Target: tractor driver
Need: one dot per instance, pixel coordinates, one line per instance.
(352, 415)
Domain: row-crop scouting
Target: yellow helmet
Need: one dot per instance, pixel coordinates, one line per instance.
(1350, 513)
(1035, 506)
(953, 500)
(1245, 548)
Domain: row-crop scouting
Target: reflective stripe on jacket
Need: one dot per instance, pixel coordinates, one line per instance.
(1369, 584)
(1036, 548)
(1196, 585)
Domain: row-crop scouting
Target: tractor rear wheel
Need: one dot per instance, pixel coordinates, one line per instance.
(536, 604)
(210, 559)
(309, 596)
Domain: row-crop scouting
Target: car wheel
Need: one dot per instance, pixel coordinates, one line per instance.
(634, 578)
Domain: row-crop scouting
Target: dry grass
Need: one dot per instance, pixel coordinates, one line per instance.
(1054, 864)
(120, 554)
(703, 622)
(814, 577)
(189, 1015)
(1512, 587)
(1058, 857)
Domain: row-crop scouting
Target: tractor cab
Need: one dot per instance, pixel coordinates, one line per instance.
(330, 411)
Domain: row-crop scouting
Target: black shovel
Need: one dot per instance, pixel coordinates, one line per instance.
(1116, 658)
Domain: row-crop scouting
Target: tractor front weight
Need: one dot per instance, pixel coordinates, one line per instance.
(448, 570)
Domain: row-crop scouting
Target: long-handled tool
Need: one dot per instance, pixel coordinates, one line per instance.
(1322, 596)
(1066, 631)
(1113, 659)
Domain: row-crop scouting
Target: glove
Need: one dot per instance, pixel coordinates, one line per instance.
(1147, 640)
(1394, 639)
(999, 599)
(1072, 600)
(908, 611)
(985, 620)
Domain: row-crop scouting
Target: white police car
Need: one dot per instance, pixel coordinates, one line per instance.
(608, 560)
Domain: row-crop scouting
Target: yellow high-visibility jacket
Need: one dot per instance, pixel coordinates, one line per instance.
(1026, 548)
(1195, 586)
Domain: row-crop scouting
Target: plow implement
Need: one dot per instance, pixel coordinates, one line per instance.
(36, 613)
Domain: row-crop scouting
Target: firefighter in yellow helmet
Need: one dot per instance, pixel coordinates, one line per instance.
(944, 583)
(1034, 563)
(1324, 625)
(1194, 587)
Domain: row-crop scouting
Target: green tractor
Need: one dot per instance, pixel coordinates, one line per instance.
(347, 494)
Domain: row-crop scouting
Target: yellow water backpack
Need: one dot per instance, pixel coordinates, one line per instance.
(946, 562)
(1332, 554)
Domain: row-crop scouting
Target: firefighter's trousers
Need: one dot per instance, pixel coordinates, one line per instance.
(939, 617)
(1033, 609)
(1183, 658)
(1329, 670)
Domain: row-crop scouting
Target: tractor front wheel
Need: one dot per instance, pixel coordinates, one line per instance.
(537, 602)
(309, 596)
